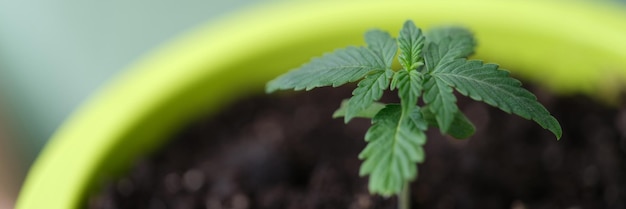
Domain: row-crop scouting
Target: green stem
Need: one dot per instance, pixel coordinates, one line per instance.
(404, 200)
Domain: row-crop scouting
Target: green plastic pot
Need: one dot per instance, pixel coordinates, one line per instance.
(567, 46)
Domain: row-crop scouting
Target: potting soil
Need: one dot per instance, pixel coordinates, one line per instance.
(285, 151)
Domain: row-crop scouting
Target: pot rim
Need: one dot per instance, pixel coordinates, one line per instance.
(128, 116)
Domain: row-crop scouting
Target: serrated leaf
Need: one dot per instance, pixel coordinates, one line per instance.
(394, 147)
(485, 82)
(439, 96)
(410, 42)
(459, 40)
(409, 84)
(332, 69)
(367, 91)
(446, 44)
(382, 44)
(460, 128)
(368, 112)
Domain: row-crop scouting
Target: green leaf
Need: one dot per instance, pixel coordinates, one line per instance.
(485, 82)
(446, 44)
(410, 42)
(382, 44)
(460, 128)
(440, 97)
(332, 69)
(394, 148)
(367, 91)
(409, 85)
(368, 112)
(460, 41)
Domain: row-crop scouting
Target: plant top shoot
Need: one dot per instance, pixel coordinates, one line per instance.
(434, 65)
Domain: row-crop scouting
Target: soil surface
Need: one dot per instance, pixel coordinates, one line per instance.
(285, 151)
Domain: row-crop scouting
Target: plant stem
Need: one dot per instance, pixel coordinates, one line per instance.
(404, 200)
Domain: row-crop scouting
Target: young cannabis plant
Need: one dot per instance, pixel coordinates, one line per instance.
(433, 65)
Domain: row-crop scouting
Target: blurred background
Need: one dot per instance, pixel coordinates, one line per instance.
(54, 54)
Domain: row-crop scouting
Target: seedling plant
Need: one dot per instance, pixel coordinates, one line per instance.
(433, 65)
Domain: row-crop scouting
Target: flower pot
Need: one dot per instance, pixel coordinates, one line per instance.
(568, 46)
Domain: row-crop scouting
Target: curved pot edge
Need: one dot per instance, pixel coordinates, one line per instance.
(85, 142)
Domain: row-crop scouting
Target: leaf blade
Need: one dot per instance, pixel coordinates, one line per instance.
(332, 69)
(368, 112)
(367, 91)
(460, 128)
(439, 96)
(409, 84)
(459, 40)
(393, 150)
(487, 83)
(410, 42)
(446, 44)
(382, 44)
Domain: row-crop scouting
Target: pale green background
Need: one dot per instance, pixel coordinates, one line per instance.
(54, 54)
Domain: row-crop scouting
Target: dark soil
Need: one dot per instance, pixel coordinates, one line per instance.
(285, 151)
